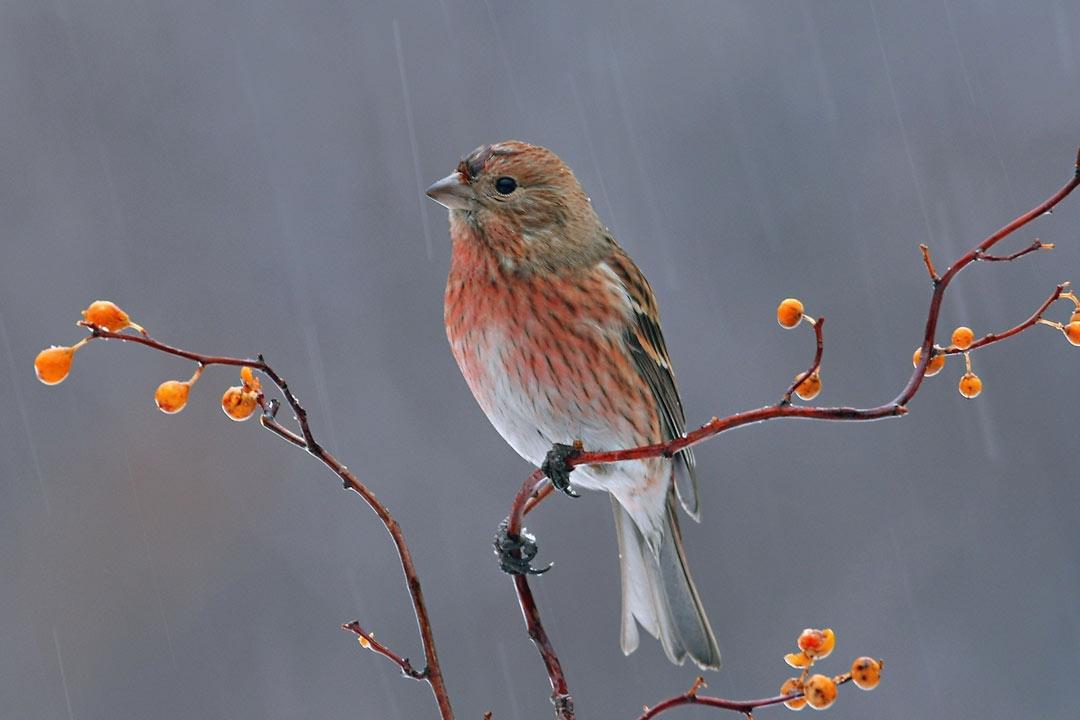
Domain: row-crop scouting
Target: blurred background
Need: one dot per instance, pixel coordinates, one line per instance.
(247, 177)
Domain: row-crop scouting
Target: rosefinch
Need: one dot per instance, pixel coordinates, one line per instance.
(558, 335)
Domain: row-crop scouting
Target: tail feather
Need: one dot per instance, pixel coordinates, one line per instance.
(658, 593)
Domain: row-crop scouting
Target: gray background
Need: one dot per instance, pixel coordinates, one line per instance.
(246, 177)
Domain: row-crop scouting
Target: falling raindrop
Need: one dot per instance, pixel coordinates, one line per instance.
(412, 140)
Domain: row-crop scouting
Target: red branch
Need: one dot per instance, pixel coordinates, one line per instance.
(537, 487)
(1037, 245)
(991, 338)
(560, 690)
(367, 640)
(814, 366)
(740, 706)
(432, 673)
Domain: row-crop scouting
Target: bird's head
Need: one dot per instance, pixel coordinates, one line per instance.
(524, 202)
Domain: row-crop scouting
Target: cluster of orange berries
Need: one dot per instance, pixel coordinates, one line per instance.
(53, 365)
(790, 313)
(819, 691)
(238, 402)
(962, 338)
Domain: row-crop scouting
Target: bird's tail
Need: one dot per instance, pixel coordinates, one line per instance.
(658, 593)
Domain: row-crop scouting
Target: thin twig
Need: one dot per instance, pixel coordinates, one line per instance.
(740, 706)
(535, 489)
(432, 674)
(1037, 245)
(928, 262)
(991, 338)
(814, 366)
(560, 691)
(368, 641)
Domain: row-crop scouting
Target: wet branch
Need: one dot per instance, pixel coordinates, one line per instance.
(746, 707)
(368, 641)
(305, 439)
(815, 365)
(991, 338)
(1037, 245)
(537, 487)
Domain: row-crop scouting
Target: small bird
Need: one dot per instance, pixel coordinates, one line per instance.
(558, 336)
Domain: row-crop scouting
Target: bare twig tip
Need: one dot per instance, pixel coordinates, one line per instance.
(925, 249)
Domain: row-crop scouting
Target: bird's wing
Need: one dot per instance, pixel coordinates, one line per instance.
(646, 343)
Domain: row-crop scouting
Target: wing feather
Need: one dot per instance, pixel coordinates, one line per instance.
(650, 354)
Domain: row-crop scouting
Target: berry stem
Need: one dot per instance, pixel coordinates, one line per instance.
(1037, 245)
(819, 338)
(1036, 318)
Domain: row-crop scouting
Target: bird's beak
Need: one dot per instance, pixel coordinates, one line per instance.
(452, 192)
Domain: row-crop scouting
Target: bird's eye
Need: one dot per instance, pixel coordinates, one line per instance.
(505, 185)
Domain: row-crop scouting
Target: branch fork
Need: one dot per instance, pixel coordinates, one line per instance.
(538, 486)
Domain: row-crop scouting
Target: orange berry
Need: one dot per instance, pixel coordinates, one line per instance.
(962, 337)
(1075, 317)
(172, 395)
(364, 642)
(820, 691)
(809, 388)
(970, 385)
(1072, 330)
(239, 403)
(792, 685)
(53, 364)
(933, 367)
(816, 643)
(789, 313)
(107, 315)
(866, 672)
(797, 660)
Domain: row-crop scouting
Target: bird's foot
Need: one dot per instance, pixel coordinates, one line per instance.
(515, 552)
(557, 470)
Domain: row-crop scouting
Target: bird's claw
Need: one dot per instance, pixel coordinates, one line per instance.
(557, 470)
(515, 552)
